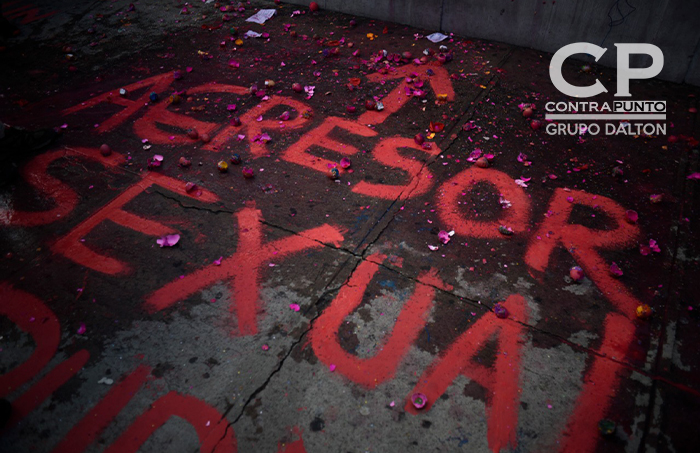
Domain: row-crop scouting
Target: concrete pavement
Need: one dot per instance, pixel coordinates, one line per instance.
(303, 311)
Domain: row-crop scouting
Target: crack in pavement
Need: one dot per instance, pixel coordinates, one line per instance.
(319, 311)
(197, 208)
(413, 185)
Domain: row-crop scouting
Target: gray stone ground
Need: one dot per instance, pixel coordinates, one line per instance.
(270, 389)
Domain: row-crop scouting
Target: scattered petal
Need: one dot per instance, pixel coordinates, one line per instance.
(576, 273)
(500, 311)
(644, 311)
(168, 240)
(419, 400)
(615, 270)
(444, 236)
(505, 230)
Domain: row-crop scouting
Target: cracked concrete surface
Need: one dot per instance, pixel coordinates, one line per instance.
(249, 351)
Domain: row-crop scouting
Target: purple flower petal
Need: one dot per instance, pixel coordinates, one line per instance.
(168, 240)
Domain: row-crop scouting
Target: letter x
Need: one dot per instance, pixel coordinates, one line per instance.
(243, 268)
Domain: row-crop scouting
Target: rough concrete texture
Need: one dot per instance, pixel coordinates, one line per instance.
(550, 25)
(300, 312)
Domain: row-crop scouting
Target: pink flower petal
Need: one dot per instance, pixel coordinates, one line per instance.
(654, 246)
(695, 175)
(294, 307)
(419, 400)
(168, 240)
(331, 367)
(218, 262)
(81, 329)
(615, 270)
(444, 236)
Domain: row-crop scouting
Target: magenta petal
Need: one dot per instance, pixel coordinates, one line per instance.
(632, 216)
(644, 249)
(294, 307)
(419, 400)
(82, 328)
(168, 240)
(615, 270)
(345, 163)
(444, 236)
(695, 175)
(653, 245)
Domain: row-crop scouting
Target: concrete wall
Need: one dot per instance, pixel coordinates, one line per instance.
(672, 25)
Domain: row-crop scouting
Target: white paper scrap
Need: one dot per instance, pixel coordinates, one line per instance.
(436, 37)
(261, 16)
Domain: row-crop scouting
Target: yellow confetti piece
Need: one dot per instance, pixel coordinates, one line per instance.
(431, 135)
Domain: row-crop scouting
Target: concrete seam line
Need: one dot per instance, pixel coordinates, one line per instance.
(442, 11)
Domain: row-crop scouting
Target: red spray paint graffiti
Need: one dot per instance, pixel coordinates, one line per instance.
(387, 153)
(449, 209)
(584, 244)
(321, 137)
(27, 12)
(157, 84)
(63, 196)
(243, 268)
(30, 315)
(252, 122)
(374, 371)
(439, 81)
(72, 247)
(501, 380)
(209, 424)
